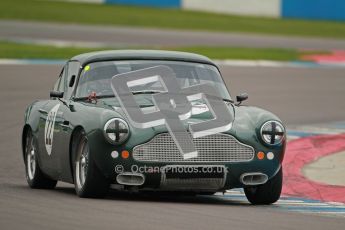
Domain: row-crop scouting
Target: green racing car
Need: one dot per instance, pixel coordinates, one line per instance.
(83, 135)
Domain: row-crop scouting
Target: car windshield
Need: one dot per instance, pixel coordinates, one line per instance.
(96, 77)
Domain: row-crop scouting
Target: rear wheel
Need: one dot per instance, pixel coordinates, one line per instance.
(267, 193)
(88, 180)
(34, 175)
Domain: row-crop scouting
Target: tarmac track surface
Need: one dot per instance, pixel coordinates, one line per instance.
(124, 36)
(297, 95)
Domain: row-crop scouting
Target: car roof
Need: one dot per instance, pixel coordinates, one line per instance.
(109, 55)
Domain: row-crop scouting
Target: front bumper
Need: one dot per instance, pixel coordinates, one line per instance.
(155, 178)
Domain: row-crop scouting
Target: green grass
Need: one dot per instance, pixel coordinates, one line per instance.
(29, 51)
(244, 53)
(84, 13)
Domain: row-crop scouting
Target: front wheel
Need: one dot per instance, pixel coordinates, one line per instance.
(88, 180)
(267, 193)
(34, 175)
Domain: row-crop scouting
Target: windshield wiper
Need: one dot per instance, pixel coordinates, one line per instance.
(109, 96)
(147, 92)
(98, 97)
(135, 93)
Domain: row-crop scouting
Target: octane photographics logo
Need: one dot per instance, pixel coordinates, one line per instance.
(173, 106)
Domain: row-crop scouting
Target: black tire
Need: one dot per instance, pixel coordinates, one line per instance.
(34, 175)
(88, 180)
(267, 193)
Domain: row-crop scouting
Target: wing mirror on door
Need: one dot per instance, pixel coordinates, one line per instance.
(241, 97)
(56, 94)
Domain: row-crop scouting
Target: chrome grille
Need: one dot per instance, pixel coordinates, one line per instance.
(213, 148)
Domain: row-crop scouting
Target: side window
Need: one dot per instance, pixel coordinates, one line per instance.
(62, 81)
(73, 69)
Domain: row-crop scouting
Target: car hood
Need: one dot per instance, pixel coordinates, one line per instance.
(200, 112)
(245, 126)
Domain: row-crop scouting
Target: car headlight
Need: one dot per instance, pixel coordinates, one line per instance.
(116, 131)
(272, 132)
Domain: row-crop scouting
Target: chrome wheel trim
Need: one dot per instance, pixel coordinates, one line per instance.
(30, 158)
(82, 163)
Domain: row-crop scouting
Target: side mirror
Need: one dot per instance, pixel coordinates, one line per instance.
(241, 97)
(56, 94)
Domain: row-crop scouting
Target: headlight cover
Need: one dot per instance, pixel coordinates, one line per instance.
(116, 131)
(272, 132)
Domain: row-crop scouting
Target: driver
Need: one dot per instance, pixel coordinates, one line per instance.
(97, 79)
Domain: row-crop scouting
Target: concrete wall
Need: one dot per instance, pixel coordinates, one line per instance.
(88, 1)
(155, 3)
(304, 9)
(270, 8)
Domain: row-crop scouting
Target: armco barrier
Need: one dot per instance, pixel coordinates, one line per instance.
(267, 8)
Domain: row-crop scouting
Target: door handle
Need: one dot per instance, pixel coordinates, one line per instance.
(65, 124)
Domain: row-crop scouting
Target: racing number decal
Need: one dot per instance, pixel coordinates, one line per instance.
(49, 128)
